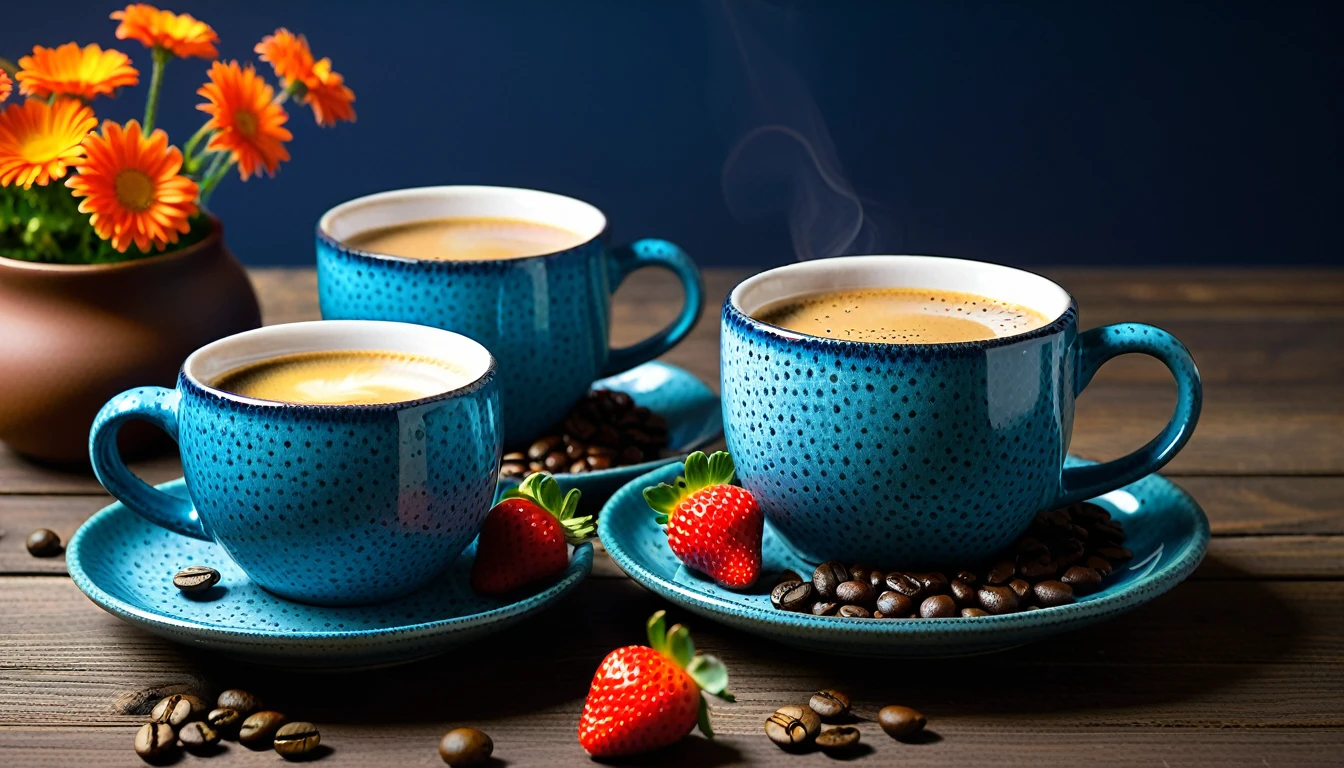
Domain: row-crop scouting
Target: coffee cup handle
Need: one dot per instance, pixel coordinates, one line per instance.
(1095, 347)
(159, 407)
(656, 253)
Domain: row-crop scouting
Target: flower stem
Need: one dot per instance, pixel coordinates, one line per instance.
(190, 161)
(294, 87)
(218, 168)
(161, 57)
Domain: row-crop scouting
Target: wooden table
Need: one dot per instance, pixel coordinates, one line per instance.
(1241, 665)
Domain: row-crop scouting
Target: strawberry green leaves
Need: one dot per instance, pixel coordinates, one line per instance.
(543, 490)
(707, 671)
(700, 472)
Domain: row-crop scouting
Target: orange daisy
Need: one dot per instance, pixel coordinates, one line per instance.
(73, 71)
(181, 34)
(39, 140)
(132, 189)
(6, 85)
(328, 95)
(247, 123)
(287, 53)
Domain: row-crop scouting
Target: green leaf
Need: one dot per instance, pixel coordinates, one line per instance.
(663, 498)
(720, 468)
(711, 675)
(44, 224)
(657, 629)
(699, 473)
(696, 472)
(544, 491)
(703, 719)
(680, 647)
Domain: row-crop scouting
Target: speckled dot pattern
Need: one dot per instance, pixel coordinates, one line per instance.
(544, 318)
(341, 505)
(126, 565)
(1164, 526)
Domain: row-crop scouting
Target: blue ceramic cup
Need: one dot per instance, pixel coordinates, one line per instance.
(545, 318)
(324, 504)
(910, 455)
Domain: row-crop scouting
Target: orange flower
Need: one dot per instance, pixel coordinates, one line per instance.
(6, 85)
(132, 189)
(245, 120)
(39, 140)
(181, 34)
(328, 95)
(74, 71)
(287, 53)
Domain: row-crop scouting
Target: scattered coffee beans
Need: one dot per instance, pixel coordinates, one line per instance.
(258, 730)
(154, 741)
(465, 746)
(294, 739)
(793, 726)
(178, 709)
(196, 578)
(241, 701)
(1066, 552)
(605, 429)
(198, 736)
(900, 722)
(838, 739)
(225, 721)
(830, 705)
(44, 543)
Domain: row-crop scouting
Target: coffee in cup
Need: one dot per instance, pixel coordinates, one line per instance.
(466, 238)
(343, 377)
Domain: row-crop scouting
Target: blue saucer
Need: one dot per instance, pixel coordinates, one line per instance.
(126, 565)
(694, 420)
(1165, 528)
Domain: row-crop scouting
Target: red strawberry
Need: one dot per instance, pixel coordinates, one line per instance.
(712, 526)
(643, 698)
(523, 538)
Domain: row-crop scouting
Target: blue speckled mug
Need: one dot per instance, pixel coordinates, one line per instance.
(916, 455)
(545, 318)
(324, 504)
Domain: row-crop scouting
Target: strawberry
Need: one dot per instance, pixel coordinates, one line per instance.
(645, 698)
(523, 538)
(714, 527)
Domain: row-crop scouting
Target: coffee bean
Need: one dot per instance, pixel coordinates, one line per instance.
(838, 739)
(798, 598)
(512, 469)
(578, 466)
(534, 467)
(825, 609)
(963, 593)
(854, 612)
(575, 449)
(44, 543)
(781, 589)
(878, 579)
(971, 613)
(599, 462)
(900, 722)
(827, 577)
(997, 600)
(788, 575)
(905, 584)
(630, 455)
(1022, 589)
(859, 572)
(197, 736)
(855, 593)
(236, 698)
(894, 604)
(155, 741)
(258, 730)
(1002, 572)
(196, 578)
(830, 705)
(1082, 580)
(177, 709)
(934, 583)
(966, 577)
(225, 720)
(1099, 565)
(514, 456)
(1053, 593)
(1067, 553)
(465, 746)
(881, 615)
(1116, 555)
(938, 607)
(792, 726)
(1029, 547)
(555, 462)
(294, 739)
(1088, 512)
(1108, 532)
(1036, 569)
(540, 448)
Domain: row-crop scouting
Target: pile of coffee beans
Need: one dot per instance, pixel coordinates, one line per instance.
(797, 729)
(1066, 553)
(187, 721)
(606, 429)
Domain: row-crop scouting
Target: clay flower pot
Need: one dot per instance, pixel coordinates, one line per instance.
(72, 336)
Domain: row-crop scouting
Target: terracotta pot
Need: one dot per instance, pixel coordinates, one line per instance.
(72, 336)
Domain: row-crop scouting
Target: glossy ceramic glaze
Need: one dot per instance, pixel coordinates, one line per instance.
(1165, 528)
(922, 454)
(320, 503)
(126, 565)
(545, 318)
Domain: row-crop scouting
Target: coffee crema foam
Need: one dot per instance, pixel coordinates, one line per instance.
(900, 316)
(466, 238)
(358, 377)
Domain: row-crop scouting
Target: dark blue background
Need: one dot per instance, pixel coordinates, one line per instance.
(1028, 132)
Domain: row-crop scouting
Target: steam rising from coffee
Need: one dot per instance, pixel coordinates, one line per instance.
(783, 160)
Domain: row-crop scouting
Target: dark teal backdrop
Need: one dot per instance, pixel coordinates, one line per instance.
(1021, 132)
